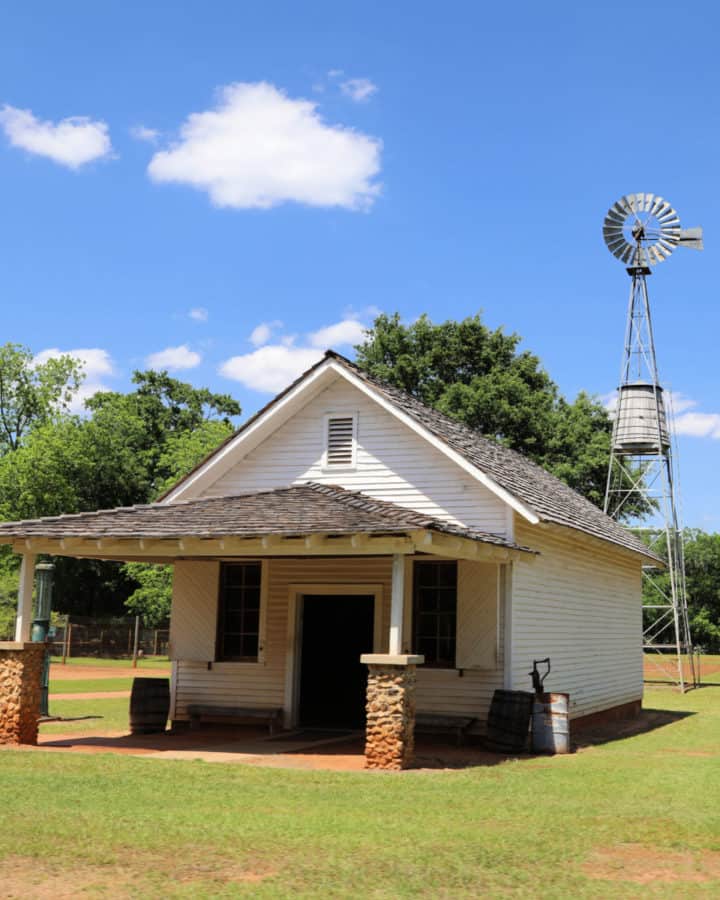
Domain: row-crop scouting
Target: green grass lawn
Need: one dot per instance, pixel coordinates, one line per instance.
(112, 715)
(126, 826)
(88, 685)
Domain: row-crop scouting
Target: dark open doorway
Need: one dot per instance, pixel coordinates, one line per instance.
(336, 630)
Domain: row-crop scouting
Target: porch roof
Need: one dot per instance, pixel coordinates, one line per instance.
(299, 511)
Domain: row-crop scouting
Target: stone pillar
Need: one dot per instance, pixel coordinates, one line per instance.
(21, 667)
(390, 728)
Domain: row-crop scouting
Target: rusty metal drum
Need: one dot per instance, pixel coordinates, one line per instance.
(551, 723)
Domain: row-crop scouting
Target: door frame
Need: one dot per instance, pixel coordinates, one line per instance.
(291, 702)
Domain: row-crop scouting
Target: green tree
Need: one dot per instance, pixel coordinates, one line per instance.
(32, 393)
(170, 411)
(480, 377)
(702, 584)
(127, 449)
(152, 596)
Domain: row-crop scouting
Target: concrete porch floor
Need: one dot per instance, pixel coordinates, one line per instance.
(252, 746)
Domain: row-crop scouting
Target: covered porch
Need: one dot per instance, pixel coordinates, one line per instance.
(307, 600)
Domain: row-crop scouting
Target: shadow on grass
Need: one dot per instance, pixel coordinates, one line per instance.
(648, 720)
(327, 750)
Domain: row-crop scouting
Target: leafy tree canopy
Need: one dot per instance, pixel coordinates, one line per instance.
(128, 449)
(702, 581)
(152, 597)
(32, 393)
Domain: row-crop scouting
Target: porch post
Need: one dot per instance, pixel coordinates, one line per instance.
(397, 604)
(390, 728)
(23, 619)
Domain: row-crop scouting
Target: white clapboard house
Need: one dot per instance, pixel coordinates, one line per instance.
(347, 518)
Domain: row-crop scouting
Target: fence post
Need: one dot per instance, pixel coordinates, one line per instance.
(66, 639)
(155, 642)
(136, 641)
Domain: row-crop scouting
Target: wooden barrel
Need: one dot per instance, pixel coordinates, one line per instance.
(149, 705)
(551, 723)
(509, 721)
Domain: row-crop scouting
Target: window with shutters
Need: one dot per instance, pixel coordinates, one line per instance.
(340, 440)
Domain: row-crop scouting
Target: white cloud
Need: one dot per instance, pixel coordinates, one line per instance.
(270, 369)
(174, 358)
(345, 333)
(358, 89)
(698, 424)
(259, 148)
(262, 333)
(71, 142)
(96, 363)
(198, 314)
(141, 133)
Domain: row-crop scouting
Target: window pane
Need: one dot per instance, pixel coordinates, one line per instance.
(424, 573)
(249, 646)
(239, 612)
(434, 611)
(426, 600)
(251, 621)
(232, 646)
(252, 575)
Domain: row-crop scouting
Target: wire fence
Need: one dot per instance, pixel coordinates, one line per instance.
(106, 638)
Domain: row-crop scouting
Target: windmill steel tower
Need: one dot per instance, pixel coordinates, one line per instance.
(642, 230)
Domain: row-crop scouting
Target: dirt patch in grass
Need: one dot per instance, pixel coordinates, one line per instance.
(642, 864)
(59, 672)
(27, 877)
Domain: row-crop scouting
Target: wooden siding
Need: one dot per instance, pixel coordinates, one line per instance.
(393, 463)
(263, 684)
(579, 603)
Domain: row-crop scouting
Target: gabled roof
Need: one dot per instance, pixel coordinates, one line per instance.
(298, 510)
(537, 494)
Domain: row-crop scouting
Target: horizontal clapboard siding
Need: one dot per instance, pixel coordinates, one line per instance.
(392, 463)
(263, 684)
(580, 604)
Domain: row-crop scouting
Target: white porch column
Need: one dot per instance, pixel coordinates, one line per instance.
(23, 619)
(397, 604)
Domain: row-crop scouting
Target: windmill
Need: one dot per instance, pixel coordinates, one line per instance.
(642, 230)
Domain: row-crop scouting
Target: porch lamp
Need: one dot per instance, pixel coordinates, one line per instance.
(41, 623)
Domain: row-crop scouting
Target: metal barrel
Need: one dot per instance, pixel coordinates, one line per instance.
(149, 705)
(509, 721)
(551, 723)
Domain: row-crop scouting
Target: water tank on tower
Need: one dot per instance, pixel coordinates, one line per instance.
(640, 406)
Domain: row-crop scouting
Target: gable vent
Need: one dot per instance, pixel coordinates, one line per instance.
(340, 449)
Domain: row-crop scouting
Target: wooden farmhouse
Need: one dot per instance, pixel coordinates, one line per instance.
(350, 547)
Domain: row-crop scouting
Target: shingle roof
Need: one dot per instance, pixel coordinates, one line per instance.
(548, 496)
(298, 510)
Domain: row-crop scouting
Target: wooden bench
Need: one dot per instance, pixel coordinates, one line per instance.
(198, 711)
(443, 723)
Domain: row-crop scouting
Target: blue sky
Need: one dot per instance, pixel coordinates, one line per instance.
(300, 166)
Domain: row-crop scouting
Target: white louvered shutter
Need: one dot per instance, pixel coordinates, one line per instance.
(478, 600)
(340, 441)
